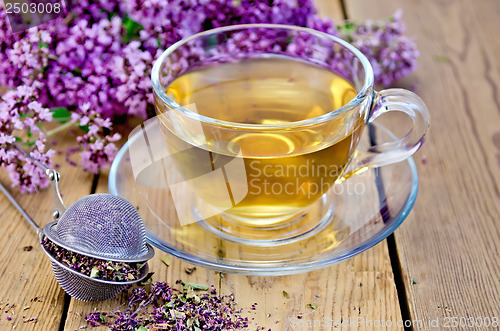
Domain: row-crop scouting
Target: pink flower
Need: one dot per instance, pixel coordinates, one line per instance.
(6, 139)
(21, 111)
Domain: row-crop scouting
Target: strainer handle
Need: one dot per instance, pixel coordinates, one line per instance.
(19, 208)
(54, 176)
(59, 207)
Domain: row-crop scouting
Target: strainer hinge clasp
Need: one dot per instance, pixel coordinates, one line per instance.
(59, 207)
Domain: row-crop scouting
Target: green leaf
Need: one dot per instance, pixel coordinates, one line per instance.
(194, 286)
(212, 41)
(312, 305)
(76, 72)
(84, 128)
(198, 287)
(147, 280)
(110, 14)
(348, 26)
(94, 272)
(191, 295)
(141, 328)
(60, 112)
(159, 42)
(132, 29)
(347, 30)
(442, 59)
(43, 45)
(166, 259)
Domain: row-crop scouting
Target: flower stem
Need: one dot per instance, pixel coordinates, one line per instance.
(61, 128)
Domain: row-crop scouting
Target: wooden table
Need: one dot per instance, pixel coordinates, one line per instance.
(442, 263)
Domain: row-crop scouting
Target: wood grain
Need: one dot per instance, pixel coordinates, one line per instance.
(362, 287)
(449, 247)
(331, 9)
(28, 288)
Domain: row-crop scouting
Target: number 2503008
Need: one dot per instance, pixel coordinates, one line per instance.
(32, 8)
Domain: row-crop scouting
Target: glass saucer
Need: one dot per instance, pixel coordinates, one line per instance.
(367, 207)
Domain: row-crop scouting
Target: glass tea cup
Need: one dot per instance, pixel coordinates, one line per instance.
(258, 122)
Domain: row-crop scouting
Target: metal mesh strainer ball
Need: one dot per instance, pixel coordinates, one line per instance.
(103, 226)
(84, 288)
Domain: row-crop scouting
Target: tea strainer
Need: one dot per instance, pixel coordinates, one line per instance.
(102, 226)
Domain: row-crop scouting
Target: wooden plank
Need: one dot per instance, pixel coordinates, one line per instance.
(331, 9)
(78, 309)
(449, 247)
(28, 288)
(362, 287)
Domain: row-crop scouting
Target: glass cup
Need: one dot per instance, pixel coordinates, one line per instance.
(258, 122)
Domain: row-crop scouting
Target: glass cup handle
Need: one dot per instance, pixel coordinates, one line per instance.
(391, 152)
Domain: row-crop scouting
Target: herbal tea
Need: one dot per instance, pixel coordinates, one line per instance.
(286, 170)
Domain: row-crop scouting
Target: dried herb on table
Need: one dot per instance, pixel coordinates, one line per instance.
(92, 267)
(167, 308)
(312, 305)
(166, 259)
(194, 286)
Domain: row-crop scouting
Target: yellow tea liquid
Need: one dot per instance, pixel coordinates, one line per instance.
(286, 170)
